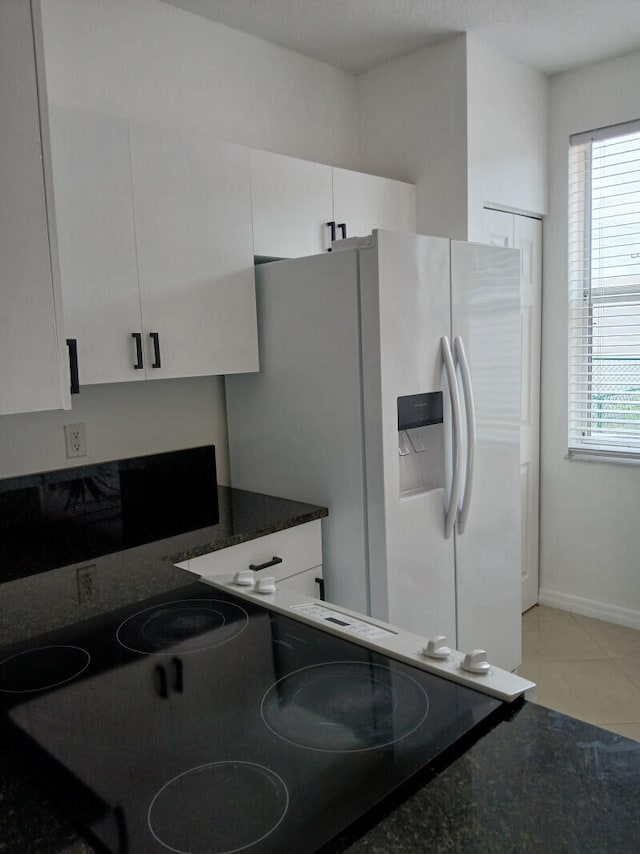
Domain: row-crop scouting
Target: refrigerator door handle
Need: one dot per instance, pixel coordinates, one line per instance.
(469, 406)
(452, 510)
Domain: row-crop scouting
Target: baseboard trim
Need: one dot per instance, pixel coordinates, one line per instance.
(590, 608)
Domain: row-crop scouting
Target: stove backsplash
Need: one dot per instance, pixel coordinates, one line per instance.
(69, 515)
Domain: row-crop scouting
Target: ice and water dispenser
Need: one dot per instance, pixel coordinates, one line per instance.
(420, 443)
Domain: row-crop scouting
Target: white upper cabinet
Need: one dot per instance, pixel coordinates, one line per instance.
(156, 250)
(96, 240)
(292, 204)
(300, 206)
(33, 373)
(363, 202)
(195, 258)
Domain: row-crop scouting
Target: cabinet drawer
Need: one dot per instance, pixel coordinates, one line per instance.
(299, 548)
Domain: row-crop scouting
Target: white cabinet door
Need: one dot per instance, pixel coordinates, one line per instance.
(364, 202)
(292, 204)
(503, 228)
(195, 262)
(96, 239)
(528, 239)
(32, 376)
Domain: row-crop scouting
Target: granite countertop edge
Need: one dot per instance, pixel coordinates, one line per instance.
(536, 781)
(48, 600)
(218, 543)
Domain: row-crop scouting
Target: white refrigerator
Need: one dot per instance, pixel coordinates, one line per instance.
(389, 391)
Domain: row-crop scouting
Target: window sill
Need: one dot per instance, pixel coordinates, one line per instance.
(617, 457)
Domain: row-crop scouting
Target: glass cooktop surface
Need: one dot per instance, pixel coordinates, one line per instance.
(198, 722)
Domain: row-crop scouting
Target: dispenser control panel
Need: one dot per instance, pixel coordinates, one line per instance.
(419, 410)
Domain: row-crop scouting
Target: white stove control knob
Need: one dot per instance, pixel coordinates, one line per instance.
(265, 585)
(245, 578)
(437, 648)
(476, 662)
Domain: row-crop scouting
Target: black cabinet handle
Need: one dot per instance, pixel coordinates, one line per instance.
(72, 344)
(137, 337)
(343, 228)
(178, 682)
(274, 560)
(320, 583)
(155, 337)
(160, 677)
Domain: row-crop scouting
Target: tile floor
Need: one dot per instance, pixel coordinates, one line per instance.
(583, 667)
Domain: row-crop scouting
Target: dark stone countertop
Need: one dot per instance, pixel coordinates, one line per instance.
(38, 603)
(538, 782)
(49, 600)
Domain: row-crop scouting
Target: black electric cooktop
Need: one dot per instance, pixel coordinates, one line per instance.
(199, 722)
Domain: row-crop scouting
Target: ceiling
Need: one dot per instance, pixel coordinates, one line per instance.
(550, 35)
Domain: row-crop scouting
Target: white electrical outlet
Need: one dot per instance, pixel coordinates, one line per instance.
(75, 440)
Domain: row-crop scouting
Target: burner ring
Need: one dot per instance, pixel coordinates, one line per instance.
(42, 667)
(344, 706)
(225, 807)
(182, 626)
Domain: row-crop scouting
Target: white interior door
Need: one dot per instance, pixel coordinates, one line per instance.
(525, 233)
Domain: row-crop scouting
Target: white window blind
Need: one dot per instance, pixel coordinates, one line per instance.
(604, 292)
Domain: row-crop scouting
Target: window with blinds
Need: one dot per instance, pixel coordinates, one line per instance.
(604, 292)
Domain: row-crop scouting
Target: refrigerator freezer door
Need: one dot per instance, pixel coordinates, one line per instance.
(485, 311)
(404, 285)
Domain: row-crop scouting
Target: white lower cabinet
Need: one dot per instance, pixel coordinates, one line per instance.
(293, 557)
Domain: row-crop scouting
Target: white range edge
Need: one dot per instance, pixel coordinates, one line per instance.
(381, 637)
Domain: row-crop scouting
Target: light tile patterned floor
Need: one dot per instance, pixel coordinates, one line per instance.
(583, 667)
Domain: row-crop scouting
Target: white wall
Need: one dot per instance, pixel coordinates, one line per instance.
(123, 420)
(590, 536)
(507, 127)
(465, 124)
(413, 127)
(149, 60)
